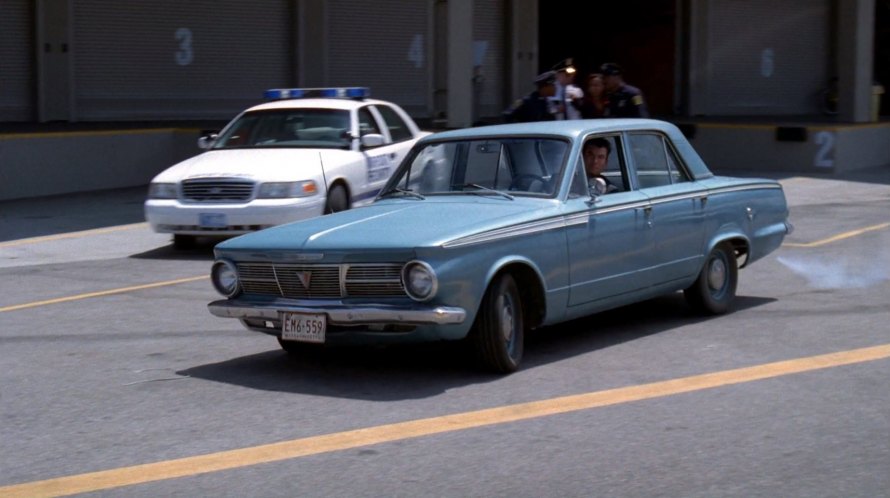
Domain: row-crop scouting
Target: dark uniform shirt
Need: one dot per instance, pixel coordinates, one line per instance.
(627, 102)
(533, 107)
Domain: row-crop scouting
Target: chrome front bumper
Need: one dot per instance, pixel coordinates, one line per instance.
(344, 315)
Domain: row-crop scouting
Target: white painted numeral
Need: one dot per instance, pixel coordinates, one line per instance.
(415, 51)
(825, 154)
(185, 55)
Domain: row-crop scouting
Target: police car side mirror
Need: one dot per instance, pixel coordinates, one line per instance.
(207, 141)
(372, 140)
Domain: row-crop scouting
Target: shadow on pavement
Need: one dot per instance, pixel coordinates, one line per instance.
(424, 370)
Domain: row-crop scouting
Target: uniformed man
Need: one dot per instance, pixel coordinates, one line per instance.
(568, 95)
(625, 101)
(536, 105)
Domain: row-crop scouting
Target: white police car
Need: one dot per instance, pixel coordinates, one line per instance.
(306, 153)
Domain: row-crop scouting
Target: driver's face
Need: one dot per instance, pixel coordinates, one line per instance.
(595, 159)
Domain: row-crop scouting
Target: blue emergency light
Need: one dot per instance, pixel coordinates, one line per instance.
(354, 92)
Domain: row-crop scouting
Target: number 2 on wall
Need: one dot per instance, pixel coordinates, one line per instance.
(825, 154)
(185, 55)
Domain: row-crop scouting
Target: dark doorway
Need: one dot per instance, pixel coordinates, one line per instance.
(637, 34)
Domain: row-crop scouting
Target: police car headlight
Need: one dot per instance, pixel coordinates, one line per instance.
(284, 190)
(224, 276)
(420, 281)
(162, 191)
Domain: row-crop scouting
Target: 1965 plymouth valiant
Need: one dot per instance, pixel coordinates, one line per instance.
(485, 233)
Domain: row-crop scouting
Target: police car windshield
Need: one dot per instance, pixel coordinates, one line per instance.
(308, 128)
(503, 165)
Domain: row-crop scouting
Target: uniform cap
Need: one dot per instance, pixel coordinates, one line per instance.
(610, 69)
(545, 78)
(564, 65)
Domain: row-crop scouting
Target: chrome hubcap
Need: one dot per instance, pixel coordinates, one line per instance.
(717, 274)
(507, 319)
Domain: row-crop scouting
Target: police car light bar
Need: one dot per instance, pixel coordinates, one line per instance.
(355, 92)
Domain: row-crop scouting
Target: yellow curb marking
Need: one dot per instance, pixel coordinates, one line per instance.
(841, 236)
(101, 293)
(244, 457)
(72, 235)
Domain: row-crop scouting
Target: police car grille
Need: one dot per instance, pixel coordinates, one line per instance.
(217, 190)
(321, 281)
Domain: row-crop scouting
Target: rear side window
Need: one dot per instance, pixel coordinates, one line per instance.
(398, 129)
(655, 161)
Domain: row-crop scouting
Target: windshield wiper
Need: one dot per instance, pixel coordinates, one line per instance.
(482, 190)
(401, 192)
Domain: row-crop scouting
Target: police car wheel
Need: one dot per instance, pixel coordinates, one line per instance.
(337, 200)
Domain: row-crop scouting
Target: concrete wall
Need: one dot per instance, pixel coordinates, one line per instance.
(799, 148)
(45, 164)
(35, 165)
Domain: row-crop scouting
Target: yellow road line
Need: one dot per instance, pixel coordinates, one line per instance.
(101, 293)
(840, 236)
(72, 235)
(224, 460)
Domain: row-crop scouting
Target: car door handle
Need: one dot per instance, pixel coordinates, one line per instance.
(703, 199)
(647, 210)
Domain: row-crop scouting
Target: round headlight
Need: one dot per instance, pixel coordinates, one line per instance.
(420, 281)
(224, 276)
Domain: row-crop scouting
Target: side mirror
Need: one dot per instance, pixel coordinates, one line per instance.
(372, 140)
(207, 141)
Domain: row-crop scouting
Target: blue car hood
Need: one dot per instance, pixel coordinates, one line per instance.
(395, 224)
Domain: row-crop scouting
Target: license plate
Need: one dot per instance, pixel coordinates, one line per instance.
(212, 220)
(303, 327)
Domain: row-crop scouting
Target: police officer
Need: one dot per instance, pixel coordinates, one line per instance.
(625, 101)
(568, 95)
(536, 105)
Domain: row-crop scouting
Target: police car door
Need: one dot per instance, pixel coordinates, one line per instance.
(383, 160)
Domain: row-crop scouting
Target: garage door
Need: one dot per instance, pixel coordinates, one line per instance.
(16, 53)
(766, 57)
(169, 59)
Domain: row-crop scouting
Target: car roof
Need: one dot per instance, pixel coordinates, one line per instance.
(317, 103)
(568, 128)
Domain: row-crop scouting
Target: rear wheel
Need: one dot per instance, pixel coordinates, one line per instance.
(337, 200)
(498, 334)
(714, 289)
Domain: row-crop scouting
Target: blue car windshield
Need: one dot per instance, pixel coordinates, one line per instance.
(311, 128)
(520, 166)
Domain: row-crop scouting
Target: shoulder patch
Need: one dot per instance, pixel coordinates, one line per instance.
(637, 100)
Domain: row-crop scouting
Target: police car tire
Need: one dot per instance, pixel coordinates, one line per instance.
(337, 200)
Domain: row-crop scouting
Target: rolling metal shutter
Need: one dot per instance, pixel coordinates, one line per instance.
(767, 57)
(488, 40)
(169, 59)
(16, 67)
(382, 45)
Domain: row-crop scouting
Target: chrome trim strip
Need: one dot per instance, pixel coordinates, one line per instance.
(339, 314)
(507, 232)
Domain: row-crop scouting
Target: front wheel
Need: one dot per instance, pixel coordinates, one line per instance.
(337, 200)
(714, 289)
(498, 334)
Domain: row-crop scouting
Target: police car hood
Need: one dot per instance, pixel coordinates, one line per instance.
(280, 164)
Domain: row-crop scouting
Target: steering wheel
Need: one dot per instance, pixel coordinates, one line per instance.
(526, 179)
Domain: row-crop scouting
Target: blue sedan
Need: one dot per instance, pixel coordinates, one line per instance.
(486, 233)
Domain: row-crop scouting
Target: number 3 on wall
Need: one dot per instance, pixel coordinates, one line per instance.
(825, 154)
(185, 55)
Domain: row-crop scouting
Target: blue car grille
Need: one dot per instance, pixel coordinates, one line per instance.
(321, 281)
(217, 190)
